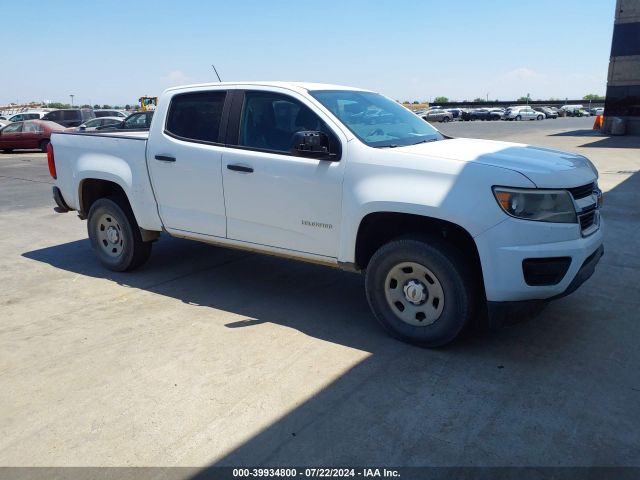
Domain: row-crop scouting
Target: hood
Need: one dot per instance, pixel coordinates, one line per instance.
(545, 167)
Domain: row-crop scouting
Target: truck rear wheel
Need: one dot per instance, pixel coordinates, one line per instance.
(420, 290)
(115, 235)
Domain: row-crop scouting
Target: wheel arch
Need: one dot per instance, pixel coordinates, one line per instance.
(377, 228)
(91, 189)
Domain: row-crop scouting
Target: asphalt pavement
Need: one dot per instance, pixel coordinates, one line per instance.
(208, 356)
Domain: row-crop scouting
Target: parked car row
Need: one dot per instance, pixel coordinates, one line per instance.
(515, 112)
(68, 117)
(36, 133)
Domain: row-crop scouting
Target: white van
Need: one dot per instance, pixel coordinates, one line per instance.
(28, 115)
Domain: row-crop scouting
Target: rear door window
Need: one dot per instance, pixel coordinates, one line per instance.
(196, 116)
(30, 127)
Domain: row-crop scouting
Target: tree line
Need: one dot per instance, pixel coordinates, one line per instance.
(95, 107)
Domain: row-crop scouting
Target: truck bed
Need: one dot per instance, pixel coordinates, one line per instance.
(118, 157)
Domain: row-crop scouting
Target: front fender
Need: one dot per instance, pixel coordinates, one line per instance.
(457, 192)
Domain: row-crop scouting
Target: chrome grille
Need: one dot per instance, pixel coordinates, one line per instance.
(588, 218)
(583, 191)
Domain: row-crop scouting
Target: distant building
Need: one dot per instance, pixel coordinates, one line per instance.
(623, 82)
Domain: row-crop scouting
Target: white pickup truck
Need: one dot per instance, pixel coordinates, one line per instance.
(445, 228)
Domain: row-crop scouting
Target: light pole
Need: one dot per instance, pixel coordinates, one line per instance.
(72, 99)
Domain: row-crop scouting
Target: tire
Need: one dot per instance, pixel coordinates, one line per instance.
(446, 119)
(115, 235)
(43, 145)
(539, 117)
(518, 118)
(435, 274)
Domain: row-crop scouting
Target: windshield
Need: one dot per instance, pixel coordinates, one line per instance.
(376, 120)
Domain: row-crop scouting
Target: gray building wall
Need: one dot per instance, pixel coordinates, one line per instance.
(623, 82)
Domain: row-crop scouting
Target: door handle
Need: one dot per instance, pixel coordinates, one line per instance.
(240, 168)
(165, 158)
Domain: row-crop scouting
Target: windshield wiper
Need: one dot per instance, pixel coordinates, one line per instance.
(393, 145)
(425, 141)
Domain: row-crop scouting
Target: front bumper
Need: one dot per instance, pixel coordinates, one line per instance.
(502, 313)
(505, 247)
(585, 272)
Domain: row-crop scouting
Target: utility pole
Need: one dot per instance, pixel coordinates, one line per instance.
(72, 99)
(487, 96)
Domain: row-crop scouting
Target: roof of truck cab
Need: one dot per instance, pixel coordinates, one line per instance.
(291, 85)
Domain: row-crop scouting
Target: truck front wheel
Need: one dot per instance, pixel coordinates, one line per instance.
(420, 290)
(115, 235)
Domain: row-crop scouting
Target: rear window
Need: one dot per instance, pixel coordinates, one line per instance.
(196, 116)
(69, 115)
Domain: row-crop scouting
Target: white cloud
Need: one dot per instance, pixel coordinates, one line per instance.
(176, 77)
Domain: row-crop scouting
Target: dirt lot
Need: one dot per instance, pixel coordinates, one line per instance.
(209, 356)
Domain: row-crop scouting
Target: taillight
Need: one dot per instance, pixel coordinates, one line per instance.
(51, 161)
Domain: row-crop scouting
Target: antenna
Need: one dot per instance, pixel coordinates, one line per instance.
(214, 69)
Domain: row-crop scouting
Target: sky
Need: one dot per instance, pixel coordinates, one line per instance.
(114, 51)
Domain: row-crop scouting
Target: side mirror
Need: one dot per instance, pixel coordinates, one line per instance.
(312, 144)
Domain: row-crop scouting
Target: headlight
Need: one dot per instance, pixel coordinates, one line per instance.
(539, 205)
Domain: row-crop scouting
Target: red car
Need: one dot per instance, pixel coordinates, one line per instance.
(28, 134)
